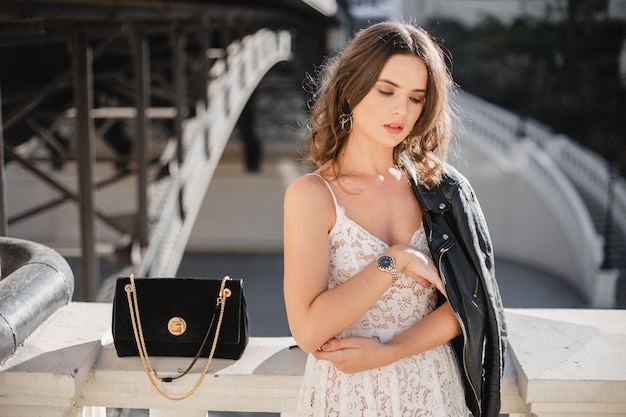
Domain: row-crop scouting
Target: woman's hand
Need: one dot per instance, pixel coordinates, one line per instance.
(357, 354)
(420, 267)
(354, 354)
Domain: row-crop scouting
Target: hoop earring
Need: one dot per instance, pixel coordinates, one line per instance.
(345, 119)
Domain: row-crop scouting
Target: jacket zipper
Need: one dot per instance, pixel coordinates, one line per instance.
(442, 251)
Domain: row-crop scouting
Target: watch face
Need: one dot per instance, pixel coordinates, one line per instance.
(385, 263)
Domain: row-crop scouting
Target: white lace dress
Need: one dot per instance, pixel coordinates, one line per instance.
(426, 385)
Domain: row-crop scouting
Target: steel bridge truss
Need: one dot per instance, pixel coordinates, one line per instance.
(172, 177)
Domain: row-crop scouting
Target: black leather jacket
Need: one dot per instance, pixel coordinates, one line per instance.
(461, 247)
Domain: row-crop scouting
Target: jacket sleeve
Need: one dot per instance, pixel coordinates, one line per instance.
(469, 220)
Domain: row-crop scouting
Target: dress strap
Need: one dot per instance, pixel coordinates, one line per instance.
(327, 185)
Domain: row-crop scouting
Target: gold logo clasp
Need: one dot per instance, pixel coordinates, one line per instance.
(177, 326)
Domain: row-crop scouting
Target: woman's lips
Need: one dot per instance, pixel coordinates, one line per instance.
(394, 128)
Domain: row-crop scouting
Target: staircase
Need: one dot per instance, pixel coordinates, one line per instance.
(615, 239)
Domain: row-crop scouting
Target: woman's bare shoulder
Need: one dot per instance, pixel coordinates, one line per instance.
(308, 195)
(308, 188)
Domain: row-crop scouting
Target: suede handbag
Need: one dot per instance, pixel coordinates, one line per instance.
(184, 317)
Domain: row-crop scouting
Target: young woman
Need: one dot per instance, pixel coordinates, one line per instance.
(362, 292)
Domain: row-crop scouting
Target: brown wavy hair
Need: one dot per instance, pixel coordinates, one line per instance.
(348, 77)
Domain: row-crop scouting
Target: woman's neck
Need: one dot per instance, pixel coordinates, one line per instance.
(366, 161)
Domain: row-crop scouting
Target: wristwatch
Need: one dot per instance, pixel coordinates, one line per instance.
(386, 263)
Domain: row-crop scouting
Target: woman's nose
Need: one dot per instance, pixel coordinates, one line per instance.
(400, 106)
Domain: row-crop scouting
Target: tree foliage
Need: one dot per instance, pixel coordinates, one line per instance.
(564, 74)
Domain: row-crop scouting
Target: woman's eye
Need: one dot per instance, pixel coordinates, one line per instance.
(416, 99)
(385, 92)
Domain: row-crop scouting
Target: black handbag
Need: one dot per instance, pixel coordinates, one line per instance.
(185, 317)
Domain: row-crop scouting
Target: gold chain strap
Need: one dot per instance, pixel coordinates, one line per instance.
(131, 295)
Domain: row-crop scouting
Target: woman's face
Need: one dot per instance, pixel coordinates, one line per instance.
(390, 109)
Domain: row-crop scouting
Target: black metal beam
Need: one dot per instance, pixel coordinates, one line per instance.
(152, 9)
(179, 61)
(32, 102)
(67, 196)
(178, 41)
(141, 62)
(12, 155)
(4, 229)
(83, 99)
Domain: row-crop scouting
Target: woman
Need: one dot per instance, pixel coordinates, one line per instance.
(362, 293)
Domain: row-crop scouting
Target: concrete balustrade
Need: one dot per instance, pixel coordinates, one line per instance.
(559, 362)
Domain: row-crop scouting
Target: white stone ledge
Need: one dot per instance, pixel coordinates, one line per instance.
(570, 361)
(559, 362)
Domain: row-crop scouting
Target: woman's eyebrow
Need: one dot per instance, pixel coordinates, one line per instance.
(384, 80)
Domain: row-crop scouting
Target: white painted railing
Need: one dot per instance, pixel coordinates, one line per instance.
(588, 169)
(505, 137)
(559, 362)
(591, 172)
(205, 136)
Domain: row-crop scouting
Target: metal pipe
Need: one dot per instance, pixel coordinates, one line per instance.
(37, 282)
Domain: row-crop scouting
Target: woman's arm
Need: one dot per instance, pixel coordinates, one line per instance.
(356, 354)
(316, 313)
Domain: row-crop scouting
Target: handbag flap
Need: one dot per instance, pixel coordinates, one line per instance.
(191, 299)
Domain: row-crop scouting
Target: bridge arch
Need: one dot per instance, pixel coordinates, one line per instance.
(206, 136)
(126, 87)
